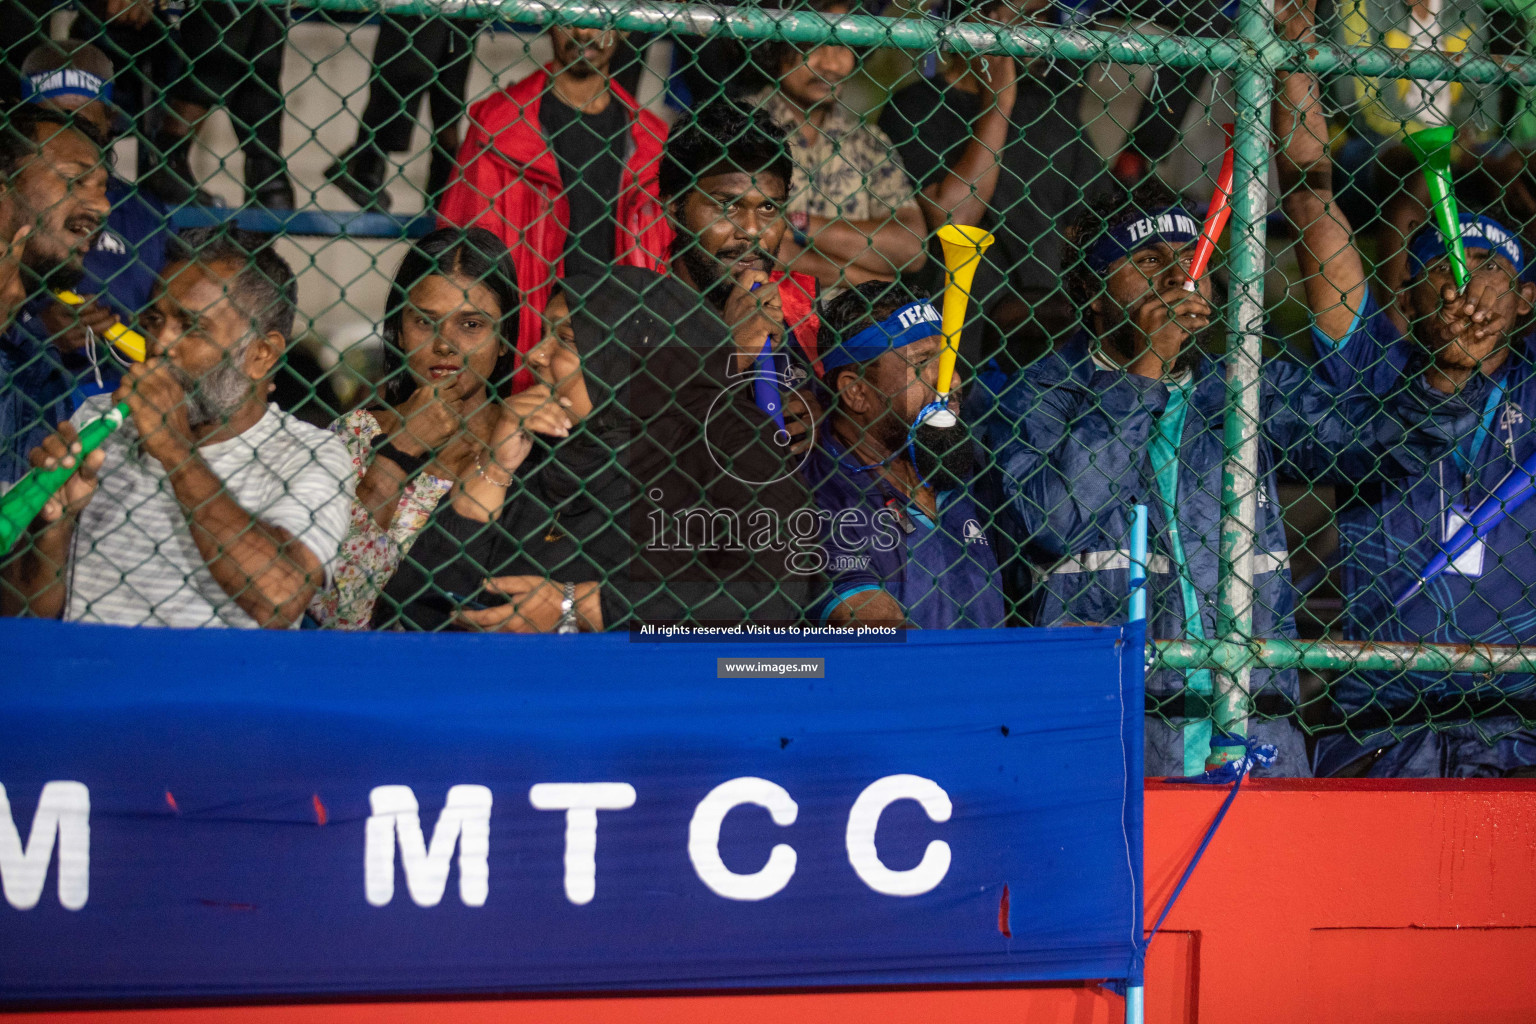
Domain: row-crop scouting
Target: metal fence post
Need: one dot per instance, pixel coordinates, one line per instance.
(1245, 314)
(922, 35)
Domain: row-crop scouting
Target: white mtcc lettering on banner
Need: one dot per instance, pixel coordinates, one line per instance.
(465, 822)
(865, 818)
(704, 839)
(581, 801)
(64, 808)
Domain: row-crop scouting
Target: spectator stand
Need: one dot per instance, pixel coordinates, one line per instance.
(1251, 55)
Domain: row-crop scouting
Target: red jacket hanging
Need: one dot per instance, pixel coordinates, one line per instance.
(797, 297)
(509, 183)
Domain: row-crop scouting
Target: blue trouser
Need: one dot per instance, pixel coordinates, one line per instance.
(1455, 752)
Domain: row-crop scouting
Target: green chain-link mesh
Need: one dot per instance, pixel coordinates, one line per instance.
(337, 130)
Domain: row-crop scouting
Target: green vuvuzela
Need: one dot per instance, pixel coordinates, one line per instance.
(21, 504)
(1432, 147)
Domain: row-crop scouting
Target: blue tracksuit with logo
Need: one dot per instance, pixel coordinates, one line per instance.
(39, 388)
(1388, 531)
(1076, 445)
(125, 261)
(943, 574)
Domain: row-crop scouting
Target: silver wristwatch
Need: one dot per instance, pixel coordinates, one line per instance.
(567, 623)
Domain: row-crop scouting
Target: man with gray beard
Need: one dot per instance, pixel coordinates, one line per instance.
(210, 507)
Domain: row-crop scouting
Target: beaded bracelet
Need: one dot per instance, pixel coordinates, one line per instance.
(480, 468)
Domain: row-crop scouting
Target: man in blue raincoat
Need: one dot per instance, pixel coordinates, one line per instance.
(905, 545)
(1425, 723)
(1131, 410)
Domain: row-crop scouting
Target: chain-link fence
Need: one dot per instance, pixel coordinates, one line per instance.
(580, 316)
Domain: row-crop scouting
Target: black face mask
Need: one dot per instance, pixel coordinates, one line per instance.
(946, 458)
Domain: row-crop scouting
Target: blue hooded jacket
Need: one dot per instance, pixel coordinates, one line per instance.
(1073, 443)
(1388, 532)
(39, 388)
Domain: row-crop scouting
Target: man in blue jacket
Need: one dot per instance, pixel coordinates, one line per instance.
(1131, 411)
(905, 545)
(1425, 723)
(53, 184)
(59, 352)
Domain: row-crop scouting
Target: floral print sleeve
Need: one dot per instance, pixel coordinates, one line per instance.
(847, 169)
(886, 177)
(370, 555)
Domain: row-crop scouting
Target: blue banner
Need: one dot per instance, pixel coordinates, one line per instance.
(224, 815)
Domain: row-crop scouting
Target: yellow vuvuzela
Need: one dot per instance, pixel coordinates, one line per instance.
(126, 340)
(963, 249)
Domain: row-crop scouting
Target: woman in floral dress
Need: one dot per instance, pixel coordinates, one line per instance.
(450, 341)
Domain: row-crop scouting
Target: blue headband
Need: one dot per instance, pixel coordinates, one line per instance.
(909, 324)
(1174, 225)
(45, 85)
(1427, 247)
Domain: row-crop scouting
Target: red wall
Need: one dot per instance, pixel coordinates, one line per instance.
(1318, 901)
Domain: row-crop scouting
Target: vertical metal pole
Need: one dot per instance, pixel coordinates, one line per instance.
(1135, 1004)
(1245, 316)
(1135, 995)
(1138, 605)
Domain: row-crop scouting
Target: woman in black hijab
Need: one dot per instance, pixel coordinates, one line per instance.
(667, 502)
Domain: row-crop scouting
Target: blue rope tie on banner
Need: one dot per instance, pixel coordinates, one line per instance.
(1256, 755)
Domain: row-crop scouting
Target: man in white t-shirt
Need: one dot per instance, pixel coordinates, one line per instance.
(209, 507)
